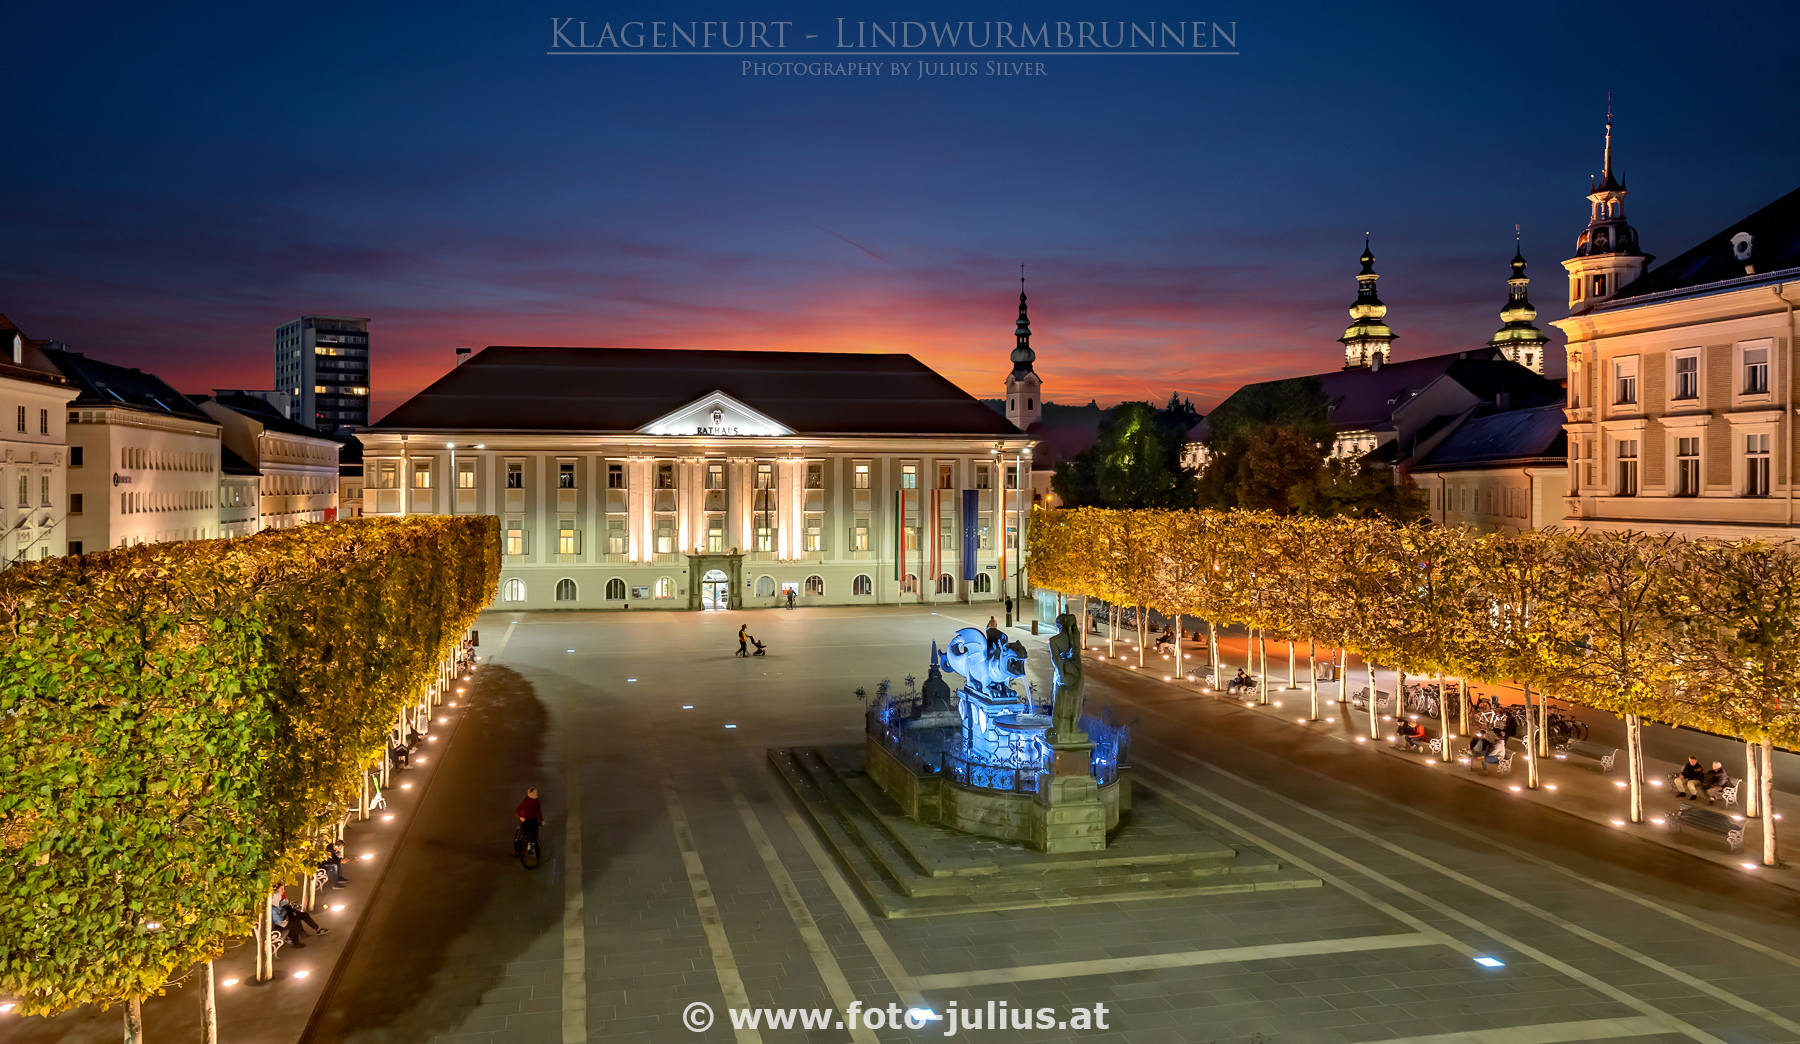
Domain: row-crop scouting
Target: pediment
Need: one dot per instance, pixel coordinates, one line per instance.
(716, 415)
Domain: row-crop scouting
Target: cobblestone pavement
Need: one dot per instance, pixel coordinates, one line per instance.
(679, 871)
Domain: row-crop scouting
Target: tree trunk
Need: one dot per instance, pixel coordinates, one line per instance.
(1752, 792)
(134, 1021)
(1534, 724)
(1374, 732)
(1543, 721)
(1766, 784)
(1143, 621)
(1212, 633)
(1462, 705)
(1343, 675)
(1262, 677)
(1112, 629)
(1634, 764)
(1443, 702)
(1312, 668)
(1290, 683)
(209, 1008)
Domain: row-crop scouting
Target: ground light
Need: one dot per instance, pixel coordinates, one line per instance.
(1748, 866)
(687, 706)
(731, 726)
(366, 855)
(387, 818)
(229, 982)
(337, 907)
(301, 974)
(1490, 962)
(406, 786)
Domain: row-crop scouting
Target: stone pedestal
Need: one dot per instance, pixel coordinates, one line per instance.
(1068, 813)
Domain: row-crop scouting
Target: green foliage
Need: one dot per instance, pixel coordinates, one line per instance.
(179, 724)
(1134, 463)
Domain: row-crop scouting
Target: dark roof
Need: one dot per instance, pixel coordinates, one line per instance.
(507, 388)
(1774, 247)
(232, 464)
(33, 368)
(103, 384)
(1510, 437)
(260, 411)
(1366, 397)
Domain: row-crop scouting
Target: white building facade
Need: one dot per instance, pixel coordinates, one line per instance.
(34, 501)
(703, 479)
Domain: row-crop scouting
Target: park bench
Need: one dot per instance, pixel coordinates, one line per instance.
(1599, 752)
(1706, 821)
(1359, 699)
(1729, 791)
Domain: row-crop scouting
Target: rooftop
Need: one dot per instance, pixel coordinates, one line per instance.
(1529, 434)
(1715, 265)
(104, 384)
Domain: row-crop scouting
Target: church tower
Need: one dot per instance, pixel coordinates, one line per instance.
(1367, 341)
(1024, 403)
(1518, 338)
(1606, 255)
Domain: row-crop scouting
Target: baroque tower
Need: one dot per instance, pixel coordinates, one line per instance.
(1518, 338)
(1368, 339)
(1606, 255)
(1024, 401)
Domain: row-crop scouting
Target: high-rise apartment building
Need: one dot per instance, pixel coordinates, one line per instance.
(322, 362)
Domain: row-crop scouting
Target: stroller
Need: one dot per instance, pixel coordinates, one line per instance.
(760, 648)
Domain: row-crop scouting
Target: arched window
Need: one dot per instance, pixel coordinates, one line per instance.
(665, 587)
(982, 584)
(565, 590)
(765, 587)
(514, 591)
(815, 585)
(910, 585)
(862, 585)
(615, 590)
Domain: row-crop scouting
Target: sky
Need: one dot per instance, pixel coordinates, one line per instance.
(180, 182)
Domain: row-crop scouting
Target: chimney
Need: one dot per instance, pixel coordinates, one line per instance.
(462, 356)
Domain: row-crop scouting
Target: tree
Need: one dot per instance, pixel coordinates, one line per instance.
(1136, 462)
(1520, 628)
(1360, 490)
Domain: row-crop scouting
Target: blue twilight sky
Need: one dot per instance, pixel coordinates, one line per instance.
(180, 180)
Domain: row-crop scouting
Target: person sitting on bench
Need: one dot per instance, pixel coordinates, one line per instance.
(1689, 782)
(1484, 750)
(1715, 781)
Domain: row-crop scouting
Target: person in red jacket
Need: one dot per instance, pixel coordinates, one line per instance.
(530, 814)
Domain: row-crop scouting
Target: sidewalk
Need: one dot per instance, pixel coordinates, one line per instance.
(1575, 787)
(277, 1011)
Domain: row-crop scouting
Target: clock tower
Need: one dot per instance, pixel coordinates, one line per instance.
(1606, 255)
(1024, 401)
(1368, 338)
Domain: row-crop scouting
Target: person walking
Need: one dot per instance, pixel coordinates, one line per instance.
(790, 598)
(744, 640)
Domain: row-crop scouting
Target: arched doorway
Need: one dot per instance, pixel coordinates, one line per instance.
(715, 590)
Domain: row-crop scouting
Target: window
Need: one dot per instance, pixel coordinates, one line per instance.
(615, 590)
(74, 456)
(1599, 286)
(565, 590)
(762, 520)
(815, 475)
(21, 418)
(1627, 456)
(1756, 371)
(765, 475)
(568, 538)
(465, 474)
(715, 533)
(515, 536)
(815, 532)
(565, 475)
(909, 475)
(43, 422)
(1756, 463)
(715, 475)
(1687, 467)
(983, 583)
(74, 503)
(982, 481)
(665, 534)
(860, 473)
(74, 547)
(859, 535)
(44, 490)
(515, 475)
(862, 585)
(946, 584)
(815, 586)
(1012, 477)
(910, 584)
(985, 530)
(513, 591)
(615, 535)
(665, 475)
(24, 491)
(1625, 382)
(946, 475)
(1687, 377)
(765, 587)
(665, 587)
(421, 474)
(615, 476)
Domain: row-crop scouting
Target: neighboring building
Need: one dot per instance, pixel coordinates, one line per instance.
(1607, 257)
(143, 460)
(1518, 339)
(34, 502)
(711, 479)
(240, 495)
(1500, 472)
(281, 400)
(350, 478)
(1368, 340)
(1681, 397)
(322, 362)
(297, 468)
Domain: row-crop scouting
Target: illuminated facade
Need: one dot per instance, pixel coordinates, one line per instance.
(322, 363)
(711, 479)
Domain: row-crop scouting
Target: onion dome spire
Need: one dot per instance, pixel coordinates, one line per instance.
(1518, 338)
(1022, 355)
(1366, 341)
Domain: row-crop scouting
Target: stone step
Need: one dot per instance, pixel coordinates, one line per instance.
(871, 878)
(864, 825)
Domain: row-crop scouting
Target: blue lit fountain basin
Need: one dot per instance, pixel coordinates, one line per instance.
(1028, 724)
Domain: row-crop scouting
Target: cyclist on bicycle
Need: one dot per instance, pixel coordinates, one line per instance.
(530, 814)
